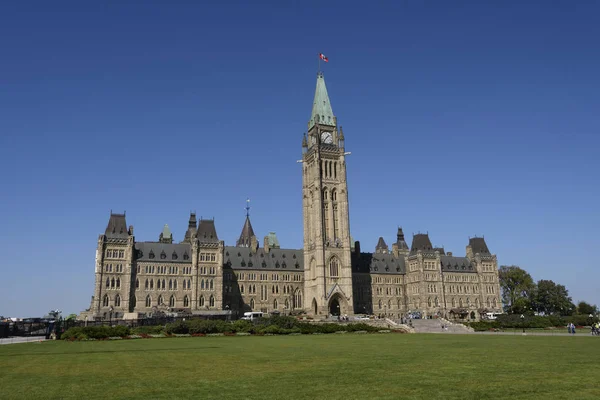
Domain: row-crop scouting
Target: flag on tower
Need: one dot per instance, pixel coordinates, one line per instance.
(322, 56)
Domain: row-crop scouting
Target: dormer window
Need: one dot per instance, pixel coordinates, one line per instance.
(283, 256)
(163, 255)
(272, 255)
(243, 263)
(283, 265)
(294, 256)
(250, 264)
(186, 256)
(264, 264)
(151, 254)
(277, 264)
(297, 265)
(227, 253)
(174, 256)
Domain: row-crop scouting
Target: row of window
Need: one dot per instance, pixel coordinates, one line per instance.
(208, 257)
(115, 267)
(174, 270)
(173, 302)
(461, 289)
(112, 283)
(274, 289)
(242, 276)
(115, 253)
(295, 304)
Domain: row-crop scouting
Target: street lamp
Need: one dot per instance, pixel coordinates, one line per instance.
(110, 311)
(523, 322)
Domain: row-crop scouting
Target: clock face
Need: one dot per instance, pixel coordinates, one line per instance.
(326, 137)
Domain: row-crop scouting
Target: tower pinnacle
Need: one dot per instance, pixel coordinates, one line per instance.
(321, 111)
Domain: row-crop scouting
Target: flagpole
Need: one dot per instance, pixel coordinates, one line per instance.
(319, 68)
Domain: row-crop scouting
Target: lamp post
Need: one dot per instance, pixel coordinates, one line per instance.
(110, 311)
(523, 322)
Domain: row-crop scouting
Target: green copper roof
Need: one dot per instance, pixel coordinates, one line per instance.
(321, 105)
(166, 233)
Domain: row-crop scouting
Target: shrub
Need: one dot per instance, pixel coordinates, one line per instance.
(148, 329)
(95, 332)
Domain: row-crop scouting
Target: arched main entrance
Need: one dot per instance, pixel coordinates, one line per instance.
(334, 307)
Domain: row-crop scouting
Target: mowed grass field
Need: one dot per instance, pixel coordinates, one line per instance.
(350, 366)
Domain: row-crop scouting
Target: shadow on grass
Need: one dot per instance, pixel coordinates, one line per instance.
(75, 353)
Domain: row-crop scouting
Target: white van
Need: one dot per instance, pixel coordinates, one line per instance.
(252, 315)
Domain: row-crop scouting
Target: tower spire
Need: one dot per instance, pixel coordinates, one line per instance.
(247, 207)
(321, 111)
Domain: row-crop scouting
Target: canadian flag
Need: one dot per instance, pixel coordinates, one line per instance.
(322, 56)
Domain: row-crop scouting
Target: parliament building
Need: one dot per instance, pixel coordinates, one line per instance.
(330, 275)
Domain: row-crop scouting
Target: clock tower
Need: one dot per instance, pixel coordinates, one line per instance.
(327, 259)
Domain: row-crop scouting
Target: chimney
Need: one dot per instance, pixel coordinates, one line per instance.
(357, 247)
(266, 244)
(449, 253)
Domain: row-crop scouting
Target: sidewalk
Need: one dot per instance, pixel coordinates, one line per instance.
(19, 339)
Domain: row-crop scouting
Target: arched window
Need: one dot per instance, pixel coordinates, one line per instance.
(275, 304)
(117, 301)
(453, 302)
(494, 303)
(160, 300)
(164, 285)
(118, 282)
(151, 284)
(286, 304)
(148, 301)
(429, 302)
(175, 284)
(186, 301)
(107, 282)
(105, 301)
(189, 284)
(242, 289)
(468, 302)
(211, 284)
(488, 303)
(211, 301)
(172, 301)
(389, 304)
(437, 302)
(112, 283)
(252, 304)
(460, 303)
(137, 283)
(170, 284)
(477, 302)
(146, 284)
(201, 301)
(334, 267)
(202, 284)
(380, 304)
(399, 304)
(333, 194)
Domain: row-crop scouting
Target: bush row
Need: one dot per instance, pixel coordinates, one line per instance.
(513, 321)
(277, 325)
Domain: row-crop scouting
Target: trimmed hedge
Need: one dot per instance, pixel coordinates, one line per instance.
(276, 325)
(514, 321)
(95, 332)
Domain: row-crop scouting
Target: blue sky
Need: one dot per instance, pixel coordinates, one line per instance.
(463, 119)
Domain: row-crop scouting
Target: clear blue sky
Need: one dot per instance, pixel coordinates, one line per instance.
(463, 119)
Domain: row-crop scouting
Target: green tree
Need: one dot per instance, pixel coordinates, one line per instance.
(517, 287)
(551, 298)
(586, 308)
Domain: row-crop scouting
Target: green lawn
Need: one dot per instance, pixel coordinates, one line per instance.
(350, 366)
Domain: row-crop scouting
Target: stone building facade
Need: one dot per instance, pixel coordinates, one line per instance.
(329, 275)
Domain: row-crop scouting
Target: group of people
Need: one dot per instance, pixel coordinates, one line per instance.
(571, 328)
